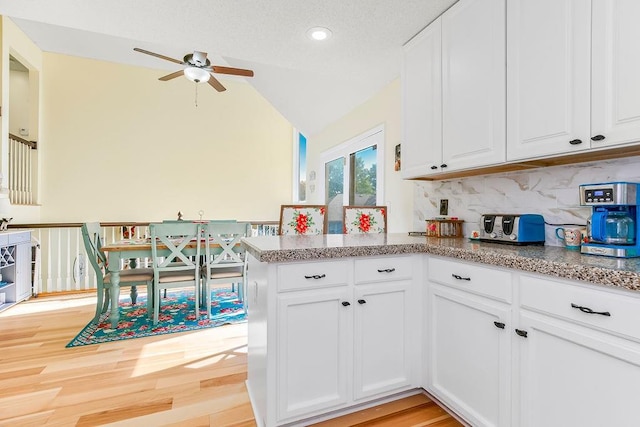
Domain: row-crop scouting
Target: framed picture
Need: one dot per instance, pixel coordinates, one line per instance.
(397, 163)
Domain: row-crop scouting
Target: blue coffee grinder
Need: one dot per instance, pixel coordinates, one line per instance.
(612, 229)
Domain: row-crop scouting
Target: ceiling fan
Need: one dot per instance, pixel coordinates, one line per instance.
(198, 69)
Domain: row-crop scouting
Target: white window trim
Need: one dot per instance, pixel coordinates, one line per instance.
(371, 137)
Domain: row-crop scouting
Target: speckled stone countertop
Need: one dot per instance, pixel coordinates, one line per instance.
(549, 260)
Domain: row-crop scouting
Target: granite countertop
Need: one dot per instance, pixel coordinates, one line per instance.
(549, 260)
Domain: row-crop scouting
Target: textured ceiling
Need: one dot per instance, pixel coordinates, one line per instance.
(312, 84)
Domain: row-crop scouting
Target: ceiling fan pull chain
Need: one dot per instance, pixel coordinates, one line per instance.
(196, 85)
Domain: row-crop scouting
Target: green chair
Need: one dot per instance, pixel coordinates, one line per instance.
(225, 260)
(175, 249)
(92, 238)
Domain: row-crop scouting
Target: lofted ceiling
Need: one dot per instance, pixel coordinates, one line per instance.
(311, 83)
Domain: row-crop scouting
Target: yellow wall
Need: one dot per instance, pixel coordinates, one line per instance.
(18, 102)
(122, 146)
(383, 108)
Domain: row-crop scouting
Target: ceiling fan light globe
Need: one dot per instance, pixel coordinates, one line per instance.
(196, 74)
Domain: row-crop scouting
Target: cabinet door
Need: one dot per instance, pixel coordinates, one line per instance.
(469, 356)
(381, 331)
(616, 66)
(422, 103)
(23, 271)
(574, 376)
(548, 77)
(473, 83)
(313, 351)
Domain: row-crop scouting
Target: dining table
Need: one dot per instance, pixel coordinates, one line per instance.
(130, 250)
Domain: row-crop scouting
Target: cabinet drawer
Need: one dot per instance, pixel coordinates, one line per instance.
(383, 269)
(309, 275)
(471, 277)
(21, 237)
(557, 297)
(4, 239)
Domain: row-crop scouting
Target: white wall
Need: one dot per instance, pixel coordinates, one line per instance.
(551, 192)
(122, 146)
(383, 108)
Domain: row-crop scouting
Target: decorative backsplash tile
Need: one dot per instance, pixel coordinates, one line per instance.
(551, 192)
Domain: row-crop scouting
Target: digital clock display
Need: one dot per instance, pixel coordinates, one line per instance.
(598, 193)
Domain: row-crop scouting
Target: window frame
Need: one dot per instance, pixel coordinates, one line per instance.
(374, 136)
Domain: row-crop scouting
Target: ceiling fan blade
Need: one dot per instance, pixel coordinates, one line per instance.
(233, 71)
(215, 83)
(157, 55)
(172, 76)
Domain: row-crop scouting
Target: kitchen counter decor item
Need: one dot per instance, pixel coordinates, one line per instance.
(440, 227)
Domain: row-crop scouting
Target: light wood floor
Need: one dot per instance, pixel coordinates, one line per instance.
(184, 379)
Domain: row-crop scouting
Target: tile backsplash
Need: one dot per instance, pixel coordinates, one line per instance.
(551, 192)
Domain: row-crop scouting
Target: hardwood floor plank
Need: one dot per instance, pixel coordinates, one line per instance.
(20, 373)
(235, 416)
(25, 403)
(125, 412)
(376, 412)
(35, 419)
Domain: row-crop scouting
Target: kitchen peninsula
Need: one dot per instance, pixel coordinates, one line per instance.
(502, 335)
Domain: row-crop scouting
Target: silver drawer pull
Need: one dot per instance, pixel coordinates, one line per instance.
(387, 270)
(316, 276)
(455, 276)
(589, 311)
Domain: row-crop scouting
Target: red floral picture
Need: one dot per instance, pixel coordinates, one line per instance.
(365, 220)
(301, 222)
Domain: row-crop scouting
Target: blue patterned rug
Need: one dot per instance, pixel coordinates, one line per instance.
(176, 315)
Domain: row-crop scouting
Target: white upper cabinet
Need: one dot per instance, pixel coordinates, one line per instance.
(473, 84)
(572, 83)
(615, 92)
(453, 89)
(548, 77)
(422, 103)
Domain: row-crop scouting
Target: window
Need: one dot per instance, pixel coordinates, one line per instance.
(357, 166)
(299, 167)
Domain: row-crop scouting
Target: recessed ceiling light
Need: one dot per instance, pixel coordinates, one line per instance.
(318, 33)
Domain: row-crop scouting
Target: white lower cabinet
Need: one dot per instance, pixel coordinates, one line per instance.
(469, 363)
(381, 338)
(575, 376)
(569, 353)
(580, 359)
(313, 351)
(499, 347)
(344, 335)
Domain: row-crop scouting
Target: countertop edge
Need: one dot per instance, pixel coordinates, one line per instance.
(604, 276)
